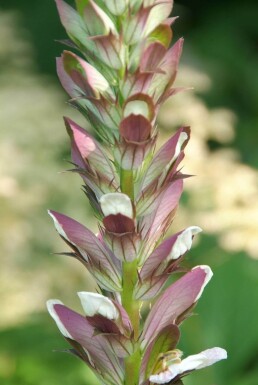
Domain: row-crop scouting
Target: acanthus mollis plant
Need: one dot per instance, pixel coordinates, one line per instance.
(124, 72)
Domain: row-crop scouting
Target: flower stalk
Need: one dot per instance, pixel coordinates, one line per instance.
(125, 71)
(132, 368)
(130, 277)
(127, 183)
(132, 306)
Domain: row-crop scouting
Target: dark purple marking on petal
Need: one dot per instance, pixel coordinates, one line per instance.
(119, 224)
(135, 128)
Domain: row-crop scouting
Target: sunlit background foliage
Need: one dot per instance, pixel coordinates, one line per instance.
(220, 61)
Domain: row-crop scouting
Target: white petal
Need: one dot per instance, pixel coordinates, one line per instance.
(58, 227)
(163, 377)
(116, 203)
(61, 231)
(212, 356)
(94, 303)
(190, 363)
(52, 312)
(182, 138)
(183, 242)
(208, 277)
(206, 358)
(136, 107)
(197, 361)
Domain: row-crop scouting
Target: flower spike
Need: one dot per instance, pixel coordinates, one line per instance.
(123, 70)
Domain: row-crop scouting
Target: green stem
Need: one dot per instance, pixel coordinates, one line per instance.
(132, 363)
(127, 183)
(132, 368)
(130, 277)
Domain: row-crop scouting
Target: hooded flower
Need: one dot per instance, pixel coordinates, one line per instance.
(94, 303)
(120, 228)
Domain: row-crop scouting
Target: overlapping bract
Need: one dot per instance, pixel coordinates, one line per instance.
(124, 73)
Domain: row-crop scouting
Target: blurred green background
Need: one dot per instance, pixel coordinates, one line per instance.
(220, 61)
